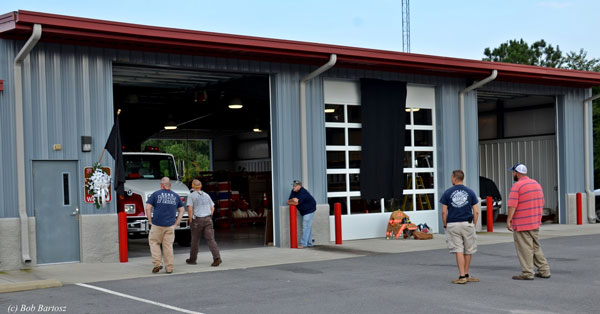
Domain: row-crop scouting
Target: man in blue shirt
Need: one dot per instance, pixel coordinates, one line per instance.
(166, 204)
(307, 206)
(459, 212)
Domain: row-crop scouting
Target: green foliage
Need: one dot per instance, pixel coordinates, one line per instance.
(518, 51)
(579, 61)
(545, 55)
(195, 154)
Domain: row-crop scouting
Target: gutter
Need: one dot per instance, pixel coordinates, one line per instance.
(461, 107)
(20, 140)
(303, 128)
(591, 210)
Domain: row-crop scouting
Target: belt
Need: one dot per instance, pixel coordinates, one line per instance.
(201, 217)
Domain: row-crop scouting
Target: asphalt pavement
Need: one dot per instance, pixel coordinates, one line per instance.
(366, 276)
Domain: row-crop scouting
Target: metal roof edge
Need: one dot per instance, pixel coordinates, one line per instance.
(144, 37)
(7, 21)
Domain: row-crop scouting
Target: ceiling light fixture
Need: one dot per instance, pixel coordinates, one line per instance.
(236, 103)
(170, 124)
(329, 110)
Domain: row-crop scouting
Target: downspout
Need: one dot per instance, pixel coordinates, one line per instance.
(586, 138)
(20, 141)
(303, 128)
(461, 107)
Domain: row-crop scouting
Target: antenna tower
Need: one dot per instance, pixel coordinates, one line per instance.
(406, 25)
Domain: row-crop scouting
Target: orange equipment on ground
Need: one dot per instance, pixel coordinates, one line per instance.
(398, 224)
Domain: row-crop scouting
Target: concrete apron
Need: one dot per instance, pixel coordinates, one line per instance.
(56, 275)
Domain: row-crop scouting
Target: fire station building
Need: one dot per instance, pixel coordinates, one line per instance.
(372, 130)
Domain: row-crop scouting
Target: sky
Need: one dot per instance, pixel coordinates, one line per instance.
(457, 28)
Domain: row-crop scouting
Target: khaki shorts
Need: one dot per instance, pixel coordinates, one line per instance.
(460, 237)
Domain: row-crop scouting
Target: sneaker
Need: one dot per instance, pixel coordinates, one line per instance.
(521, 277)
(539, 275)
(216, 262)
(460, 280)
(156, 269)
(300, 247)
(190, 261)
(472, 279)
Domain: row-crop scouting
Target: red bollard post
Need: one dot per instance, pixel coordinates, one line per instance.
(337, 208)
(490, 214)
(123, 251)
(579, 215)
(293, 228)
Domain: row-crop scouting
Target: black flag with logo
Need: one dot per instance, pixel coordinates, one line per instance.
(113, 146)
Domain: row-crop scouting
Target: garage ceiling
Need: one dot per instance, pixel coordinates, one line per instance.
(197, 101)
(163, 77)
(488, 100)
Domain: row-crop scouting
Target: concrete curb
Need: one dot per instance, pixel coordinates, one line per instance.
(29, 285)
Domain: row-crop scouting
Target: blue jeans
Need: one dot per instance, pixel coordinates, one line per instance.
(307, 220)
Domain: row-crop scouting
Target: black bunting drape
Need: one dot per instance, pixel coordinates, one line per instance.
(383, 131)
(113, 146)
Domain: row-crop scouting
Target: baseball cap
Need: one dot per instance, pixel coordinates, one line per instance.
(520, 168)
(297, 182)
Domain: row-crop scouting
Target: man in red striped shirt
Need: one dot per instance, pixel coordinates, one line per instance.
(525, 205)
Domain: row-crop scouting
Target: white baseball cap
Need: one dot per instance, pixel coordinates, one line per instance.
(520, 168)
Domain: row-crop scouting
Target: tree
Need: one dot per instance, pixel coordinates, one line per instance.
(579, 61)
(518, 51)
(195, 154)
(542, 54)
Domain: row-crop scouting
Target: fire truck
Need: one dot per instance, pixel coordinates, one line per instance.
(143, 172)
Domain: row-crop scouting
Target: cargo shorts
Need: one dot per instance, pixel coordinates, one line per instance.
(460, 237)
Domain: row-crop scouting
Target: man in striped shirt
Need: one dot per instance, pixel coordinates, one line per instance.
(525, 203)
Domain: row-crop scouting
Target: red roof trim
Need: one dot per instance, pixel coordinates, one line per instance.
(83, 31)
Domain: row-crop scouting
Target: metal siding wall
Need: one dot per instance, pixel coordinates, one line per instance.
(448, 132)
(472, 139)
(67, 94)
(317, 156)
(448, 135)
(286, 145)
(538, 153)
(8, 161)
(570, 141)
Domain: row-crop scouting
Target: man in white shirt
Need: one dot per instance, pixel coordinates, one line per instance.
(200, 209)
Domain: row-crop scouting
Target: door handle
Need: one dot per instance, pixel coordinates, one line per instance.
(76, 212)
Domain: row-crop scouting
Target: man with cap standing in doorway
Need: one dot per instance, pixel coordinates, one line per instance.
(200, 209)
(307, 206)
(525, 205)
